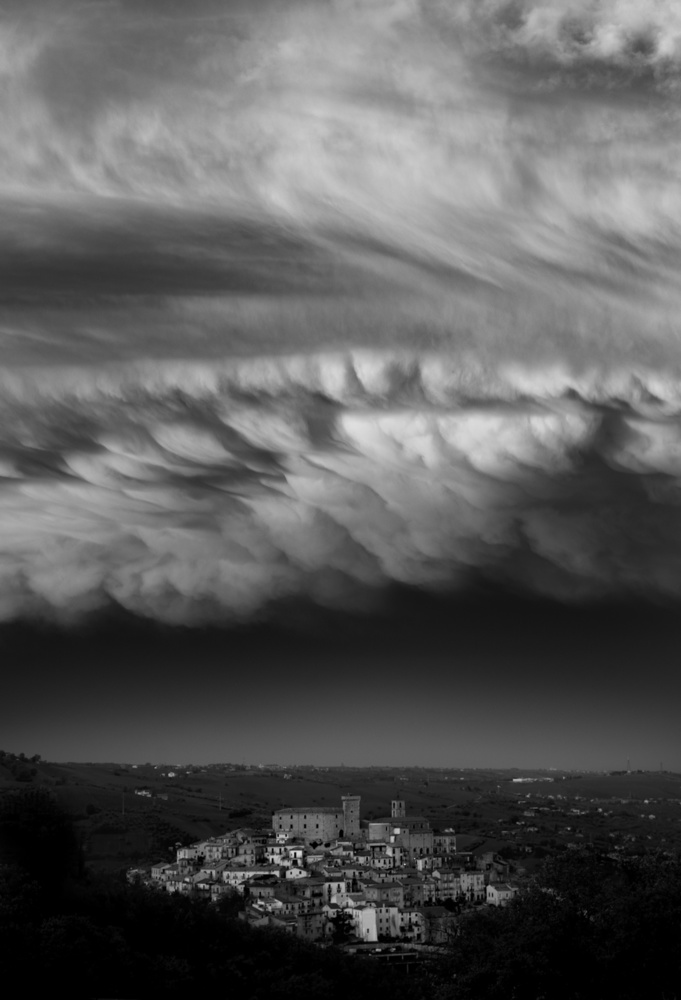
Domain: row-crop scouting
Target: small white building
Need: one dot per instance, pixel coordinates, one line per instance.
(500, 893)
(364, 921)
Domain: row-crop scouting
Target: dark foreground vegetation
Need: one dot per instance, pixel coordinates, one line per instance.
(589, 926)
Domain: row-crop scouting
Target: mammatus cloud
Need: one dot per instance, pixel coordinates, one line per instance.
(303, 300)
(206, 494)
(636, 38)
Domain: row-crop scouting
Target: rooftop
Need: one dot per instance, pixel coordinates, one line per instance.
(400, 820)
(311, 810)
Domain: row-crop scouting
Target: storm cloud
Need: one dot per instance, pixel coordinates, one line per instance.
(206, 494)
(300, 301)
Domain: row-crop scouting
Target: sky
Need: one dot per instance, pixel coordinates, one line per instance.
(340, 381)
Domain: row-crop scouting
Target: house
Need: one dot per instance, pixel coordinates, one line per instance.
(495, 868)
(448, 881)
(384, 893)
(427, 863)
(238, 877)
(364, 921)
(310, 894)
(333, 885)
(412, 925)
(295, 872)
(310, 925)
(213, 870)
(473, 886)
(262, 887)
(444, 842)
(190, 853)
(500, 893)
(431, 889)
(388, 920)
(412, 887)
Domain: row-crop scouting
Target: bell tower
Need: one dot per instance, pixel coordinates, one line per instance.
(398, 809)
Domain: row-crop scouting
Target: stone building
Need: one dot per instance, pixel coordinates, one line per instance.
(320, 823)
(412, 833)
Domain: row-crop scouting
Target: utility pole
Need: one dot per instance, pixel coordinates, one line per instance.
(123, 803)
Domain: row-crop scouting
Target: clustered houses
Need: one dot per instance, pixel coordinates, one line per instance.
(321, 875)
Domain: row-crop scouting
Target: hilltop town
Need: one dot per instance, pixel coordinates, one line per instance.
(251, 909)
(323, 874)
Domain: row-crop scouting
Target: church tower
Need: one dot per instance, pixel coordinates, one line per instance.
(398, 809)
(350, 815)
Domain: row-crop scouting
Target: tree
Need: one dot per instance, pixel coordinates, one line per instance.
(37, 835)
(85, 959)
(342, 926)
(21, 898)
(231, 904)
(588, 926)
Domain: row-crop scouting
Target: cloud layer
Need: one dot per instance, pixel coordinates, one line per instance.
(493, 137)
(636, 38)
(301, 300)
(206, 494)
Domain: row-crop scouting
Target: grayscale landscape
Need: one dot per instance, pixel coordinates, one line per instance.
(340, 456)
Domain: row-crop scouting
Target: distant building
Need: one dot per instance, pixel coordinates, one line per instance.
(444, 842)
(321, 823)
(500, 893)
(473, 886)
(398, 808)
(411, 833)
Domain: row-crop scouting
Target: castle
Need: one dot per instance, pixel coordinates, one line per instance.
(321, 823)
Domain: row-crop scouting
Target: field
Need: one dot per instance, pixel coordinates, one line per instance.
(118, 826)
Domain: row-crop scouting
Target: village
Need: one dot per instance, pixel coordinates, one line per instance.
(326, 876)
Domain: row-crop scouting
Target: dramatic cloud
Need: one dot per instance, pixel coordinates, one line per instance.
(206, 495)
(634, 37)
(395, 119)
(302, 300)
